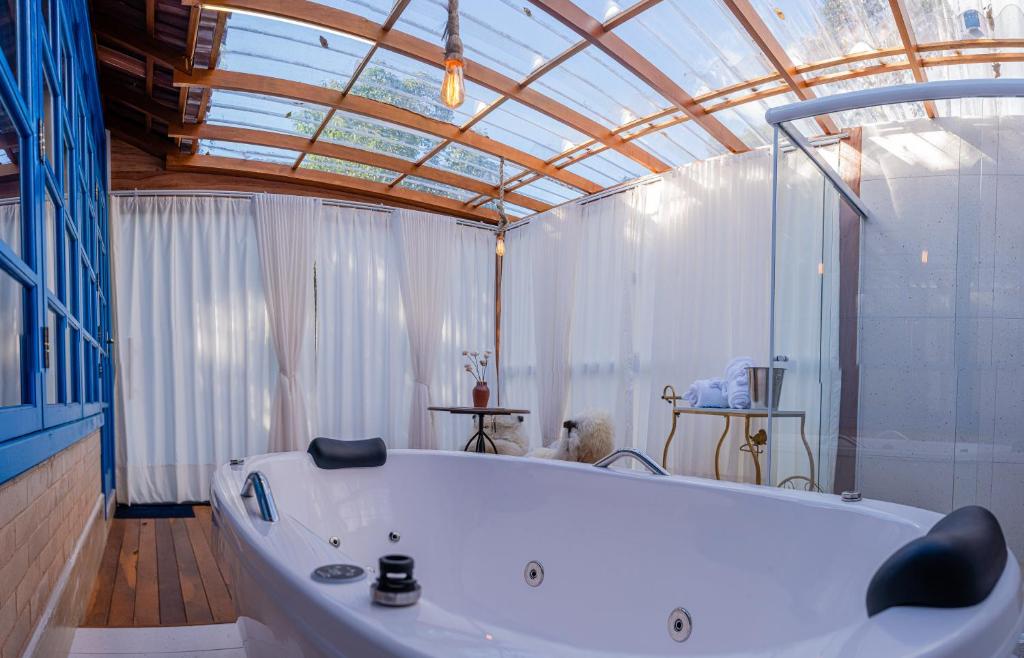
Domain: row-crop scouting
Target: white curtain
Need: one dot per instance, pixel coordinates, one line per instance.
(196, 367)
(286, 230)
(11, 295)
(555, 256)
(710, 259)
(361, 351)
(424, 251)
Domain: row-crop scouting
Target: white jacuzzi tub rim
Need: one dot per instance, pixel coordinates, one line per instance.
(255, 533)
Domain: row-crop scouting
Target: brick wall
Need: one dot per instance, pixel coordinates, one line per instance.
(42, 514)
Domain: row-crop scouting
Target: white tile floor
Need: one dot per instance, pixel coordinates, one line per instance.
(214, 641)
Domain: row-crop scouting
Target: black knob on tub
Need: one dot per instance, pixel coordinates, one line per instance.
(395, 585)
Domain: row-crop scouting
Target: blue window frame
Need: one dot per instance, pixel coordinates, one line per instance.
(55, 374)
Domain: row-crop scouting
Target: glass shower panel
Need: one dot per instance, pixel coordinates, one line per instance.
(805, 423)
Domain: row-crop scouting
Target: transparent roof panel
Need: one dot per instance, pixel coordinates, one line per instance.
(956, 20)
(347, 168)
(696, 43)
(433, 187)
(549, 191)
(265, 46)
(415, 86)
(280, 115)
(247, 151)
(378, 136)
(510, 208)
(605, 10)
(596, 86)
(609, 167)
(680, 144)
(512, 38)
(880, 114)
(815, 30)
(528, 130)
(470, 162)
(375, 10)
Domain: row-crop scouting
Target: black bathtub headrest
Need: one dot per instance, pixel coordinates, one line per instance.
(955, 565)
(335, 453)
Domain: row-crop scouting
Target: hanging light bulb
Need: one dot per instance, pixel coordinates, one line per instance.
(499, 248)
(453, 87)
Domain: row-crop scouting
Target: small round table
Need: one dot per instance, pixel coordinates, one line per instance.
(481, 437)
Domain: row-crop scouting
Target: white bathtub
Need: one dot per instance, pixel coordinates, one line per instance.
(762, 572)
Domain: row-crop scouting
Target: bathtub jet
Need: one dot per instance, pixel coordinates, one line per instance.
(621, 553)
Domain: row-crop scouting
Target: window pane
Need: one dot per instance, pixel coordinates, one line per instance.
(67, 170)
(48, 121)
(71, 367)
(9, 34)
(12, 316)
(378, 136)
(10, 181)
(70, 251)
(232, 108)
(51, 372)
(470, 162)
(248, 152)
(50, 221)
(347, 168)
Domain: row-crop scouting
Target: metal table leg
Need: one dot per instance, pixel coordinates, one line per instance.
(481, 438)
(718, 448)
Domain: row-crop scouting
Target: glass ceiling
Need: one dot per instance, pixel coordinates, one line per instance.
(566, 114)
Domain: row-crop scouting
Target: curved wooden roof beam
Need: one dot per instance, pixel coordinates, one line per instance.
(264, 170)
(567, 13)
(340, 152)
(258, 84)
(899, 13)
(337, 20)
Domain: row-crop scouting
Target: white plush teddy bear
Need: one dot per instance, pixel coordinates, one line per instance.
(589, 437)
(507, 434)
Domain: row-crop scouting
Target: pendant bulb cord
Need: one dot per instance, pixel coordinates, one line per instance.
(452, 35)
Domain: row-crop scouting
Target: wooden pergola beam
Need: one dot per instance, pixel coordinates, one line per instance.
(758, 31)
(338, 20)
(284, 173)
(567, 13)
(138, 101)
(140, 43)
(341, 152)
(899, 13)
(251, 83)
(121, 61)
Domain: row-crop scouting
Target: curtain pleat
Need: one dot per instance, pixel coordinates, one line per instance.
(286, 231)
(196, 364)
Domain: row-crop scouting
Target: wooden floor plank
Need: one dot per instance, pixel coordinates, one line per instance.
(122, 602)
(147, 594)
(205, 515)
(197, 607)
(217, 596)
(172, 605)
(99, 605)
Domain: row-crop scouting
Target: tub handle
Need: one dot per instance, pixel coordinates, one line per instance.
(256, 482)
(646, 461)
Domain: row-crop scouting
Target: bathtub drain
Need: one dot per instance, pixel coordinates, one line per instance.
(534, 573)
(680, 625)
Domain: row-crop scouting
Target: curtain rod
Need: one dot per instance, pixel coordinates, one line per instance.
(248, 195)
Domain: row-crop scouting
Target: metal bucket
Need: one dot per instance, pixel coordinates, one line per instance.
(759, 387)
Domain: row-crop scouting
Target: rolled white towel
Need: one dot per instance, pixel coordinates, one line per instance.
(707, 393)
(737, 384)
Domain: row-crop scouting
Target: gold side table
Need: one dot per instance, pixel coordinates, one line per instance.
(754, 443)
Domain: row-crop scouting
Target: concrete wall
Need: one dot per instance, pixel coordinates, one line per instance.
(52, 534)
(942, 317)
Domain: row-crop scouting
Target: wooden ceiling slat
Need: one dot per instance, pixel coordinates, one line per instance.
(906, 30)
(140, 43)
(324, 16)
(258, 84)
(284, 173)
(567, 13)
(328, 149)
(758, 31)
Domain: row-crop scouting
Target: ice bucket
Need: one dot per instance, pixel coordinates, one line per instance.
(759, 387)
